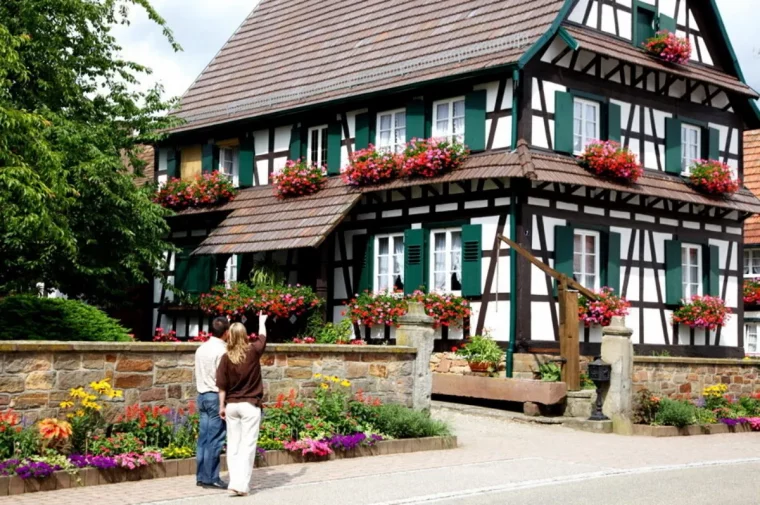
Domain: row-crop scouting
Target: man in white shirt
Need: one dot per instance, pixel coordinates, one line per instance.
(212, 427)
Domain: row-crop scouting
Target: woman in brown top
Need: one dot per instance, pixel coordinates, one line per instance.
(240, 392)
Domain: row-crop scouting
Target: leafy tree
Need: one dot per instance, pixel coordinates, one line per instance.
(72, 216)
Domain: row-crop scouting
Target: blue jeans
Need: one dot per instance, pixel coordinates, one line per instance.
(210, 438)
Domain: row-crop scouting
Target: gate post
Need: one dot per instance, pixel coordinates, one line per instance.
(416, 330)
(617, 350)
(569, 346)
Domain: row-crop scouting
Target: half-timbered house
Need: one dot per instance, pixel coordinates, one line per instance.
(752, 240)
(525, 84)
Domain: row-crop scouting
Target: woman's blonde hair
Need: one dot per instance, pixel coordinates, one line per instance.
(237, 344)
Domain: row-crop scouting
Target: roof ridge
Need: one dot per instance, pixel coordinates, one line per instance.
(526, 160)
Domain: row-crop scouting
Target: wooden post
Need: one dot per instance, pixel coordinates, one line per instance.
(569, 346)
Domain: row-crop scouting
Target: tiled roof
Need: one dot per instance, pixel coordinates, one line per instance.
(291, 53)
(752, 182)
(612, 47)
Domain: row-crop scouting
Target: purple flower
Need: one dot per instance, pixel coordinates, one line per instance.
(8, 467)
(733, 422)
(700, 402)
(348, 442)
(100, 462)
(36, 469)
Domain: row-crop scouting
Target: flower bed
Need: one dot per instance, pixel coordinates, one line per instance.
(708, 312)
(609, 159)
(298, 178)
(432, 157)
(205, 190)
(369, 166)
(384, 308)
(600, 312)
(713, 177)
(669, 47)
(751, 292)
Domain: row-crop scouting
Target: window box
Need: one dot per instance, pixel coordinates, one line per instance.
(298, 178)
(432, 157)
(600, 312)
(371, 166)
(751, 292)
(669, 47)
(708, 312)
(713, 177)
(206, 190)
(609, 159)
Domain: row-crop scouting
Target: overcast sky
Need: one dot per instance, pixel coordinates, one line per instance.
(203, 26)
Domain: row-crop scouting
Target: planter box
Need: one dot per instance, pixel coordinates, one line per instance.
(671, 431)
(508, 390)
(180, 467)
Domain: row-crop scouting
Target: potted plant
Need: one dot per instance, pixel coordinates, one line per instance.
(481, 352)
(713, 177)
(370, 166)
(609, 159)
(432, 157)
(204, 191)
(708, 312)
(600, 312)
(669, 47)
(298, 178)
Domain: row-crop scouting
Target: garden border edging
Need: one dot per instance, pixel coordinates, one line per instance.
(645, 430)
(14, 485)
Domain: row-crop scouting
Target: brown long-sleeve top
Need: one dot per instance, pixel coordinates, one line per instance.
(243, 382)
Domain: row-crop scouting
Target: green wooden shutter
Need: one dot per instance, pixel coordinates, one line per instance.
(244, 266)
(246, 161)
(667, 23)
(182, 269)
(202, 274)
(673, 145)
(475, 120)
(210, 155)
(613, 122)
(712, 145)
(414, 260)
(361, 136)
(612, 278)
(172, 163)
(710, 270)
(472, 258)
(334, 137)
(564, 242)
(643, 25)
(673, 278)
(364, 262)
(563, 122)
(415, 120)
(295, 143)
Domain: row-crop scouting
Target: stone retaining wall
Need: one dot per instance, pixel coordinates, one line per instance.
(36, 377)
(525, 364)
(686, 377)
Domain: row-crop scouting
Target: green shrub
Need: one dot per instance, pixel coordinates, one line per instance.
(28, 317)
(401, 422)
(675, 413)
(550, 372)
(704, 416)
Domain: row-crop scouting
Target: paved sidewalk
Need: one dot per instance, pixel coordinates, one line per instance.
(492, 451)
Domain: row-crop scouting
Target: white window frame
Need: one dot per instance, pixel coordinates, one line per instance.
(449, 133)
(685, 267)
(230, 271)
(392, 238)
(581, 275)
(756, 327)
(447, 262)
(751, 255)
(393, 145)
(322, 139)
(583, 120)
(687, 161)
(234, 173)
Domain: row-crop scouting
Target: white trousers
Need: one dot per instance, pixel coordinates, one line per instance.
(243, 420)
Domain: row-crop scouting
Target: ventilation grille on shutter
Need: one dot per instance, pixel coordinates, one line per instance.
(471, 251)
(414, 254)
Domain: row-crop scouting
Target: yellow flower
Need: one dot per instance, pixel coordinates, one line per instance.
(66, 404)
(334, 379)
(77, 393)
(70, 416)
(117, 393)
(324, 386)
(317, 375)
(80, 413)
(345, 383)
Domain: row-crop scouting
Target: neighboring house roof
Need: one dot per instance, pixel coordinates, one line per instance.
(147, 155)
(612, 47)
(289, 53)
(752, 182)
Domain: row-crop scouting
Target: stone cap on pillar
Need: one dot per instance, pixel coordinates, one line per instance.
(617, 328)
(415, 316)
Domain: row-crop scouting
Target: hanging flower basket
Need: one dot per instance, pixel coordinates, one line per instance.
(369, 166)
(751, 292)
(206, 190)
(713, 177)
(609, 159)
(432, 157)
(669, 47)
(298, 178)
(600, 312)
(708, 312)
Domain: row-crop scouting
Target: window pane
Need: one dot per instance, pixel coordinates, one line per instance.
(385, 138)
(590, 281)
(442, 111)
(590, 113)
(382, 283)
(590, 264)
(314, 145)
(400, 136)
(385, 122)
(400, 119)
(458, 126)
(440, 282)
(693, 254)
(382, 246)
(459, 108)
(590, 131)
(590, 241)
(577, 262)
(323, 157)
(577, 110)
(382, 264)
(456, 240)
(577, 244)
(440, 241)
(439, 262)
(441, 128)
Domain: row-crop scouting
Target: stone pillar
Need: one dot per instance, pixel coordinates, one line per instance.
(617, 350)
(416, 330)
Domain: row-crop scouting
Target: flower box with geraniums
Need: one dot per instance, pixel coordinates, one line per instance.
(206, 190)
(713, 177)
(669, 47)
(445, 309)
(751, 292)
(610, 160)
(600, 312)
(481, 352)
(426, 158)
(370, 166)
(376, 309)
(298, 178)
(275, 301)
(706, 312)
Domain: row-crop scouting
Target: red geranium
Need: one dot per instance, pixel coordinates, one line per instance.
(445, 309)
(714, 177)
(609, 159)
(432, 157)
(298, 178)
(276, 301)
(600, 312)
(204, 191)
(381, 309)
(708, 312)
(369, 166)
(751, 292)
(669, 47)
(162, 336)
